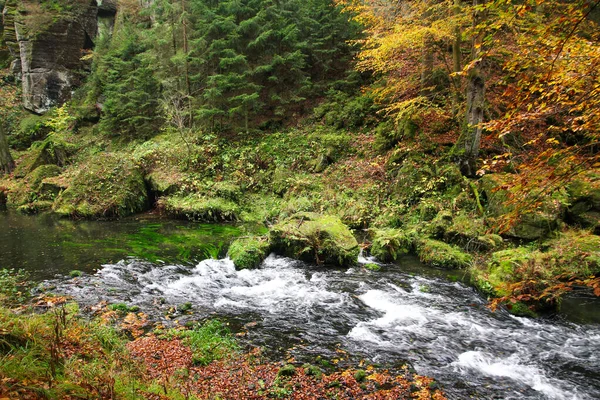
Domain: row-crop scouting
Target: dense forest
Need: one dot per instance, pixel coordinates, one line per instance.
(465, 133)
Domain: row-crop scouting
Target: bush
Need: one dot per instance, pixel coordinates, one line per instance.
(389, 244)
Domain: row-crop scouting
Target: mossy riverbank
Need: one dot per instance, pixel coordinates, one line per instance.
(309, 186)
(52, 349)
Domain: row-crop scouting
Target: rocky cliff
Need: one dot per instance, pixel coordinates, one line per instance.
(48, 42)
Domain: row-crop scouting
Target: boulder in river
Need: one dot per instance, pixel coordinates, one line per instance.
(249, 252)
(313, 237)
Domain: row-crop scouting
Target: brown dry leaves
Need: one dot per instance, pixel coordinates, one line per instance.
(249, 376)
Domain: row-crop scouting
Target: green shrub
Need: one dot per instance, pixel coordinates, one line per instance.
(389, 244)
(209, 342)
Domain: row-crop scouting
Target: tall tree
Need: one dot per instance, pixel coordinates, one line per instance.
(6, 161)
(471, 134)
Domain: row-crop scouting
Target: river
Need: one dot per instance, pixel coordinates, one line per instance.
(405, 313)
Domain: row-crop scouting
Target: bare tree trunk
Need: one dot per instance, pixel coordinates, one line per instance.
(6, 161)
(475, 105)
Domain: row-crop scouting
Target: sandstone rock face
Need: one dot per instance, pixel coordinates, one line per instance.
(49, 46)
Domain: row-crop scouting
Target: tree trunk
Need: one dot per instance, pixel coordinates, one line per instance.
(474, 119)
(475, 104)
(427, 65)
(6, 161)
(456, 61)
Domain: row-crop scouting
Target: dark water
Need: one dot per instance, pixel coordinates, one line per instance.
(404, 313)
(47, 246)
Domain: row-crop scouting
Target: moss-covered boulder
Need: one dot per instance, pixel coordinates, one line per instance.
(196, 207)
(389, 244)
(572, 254)
(529, 224)
(505, 267)
(27, 195)
(249, 252)
(107, 186)
(163, 182)
(584, 200)
(312, 237)
(465, 230)
(439, 254)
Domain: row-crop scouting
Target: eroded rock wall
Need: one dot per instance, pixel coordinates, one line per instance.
(49, 46)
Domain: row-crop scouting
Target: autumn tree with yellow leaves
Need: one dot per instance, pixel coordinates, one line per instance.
(519, 77)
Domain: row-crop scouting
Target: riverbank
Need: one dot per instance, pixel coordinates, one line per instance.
(52, 349)
(406, 201)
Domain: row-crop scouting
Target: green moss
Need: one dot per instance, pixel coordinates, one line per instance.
(312, 370)
(164, 182)
(360, 375)
(530, 224)
(521, 309)
(389, 244)
(372, 267)
(75, 273)
(249, 252)
(316, 238)
(504, 265)
(199, 208)
(287, 370)
(439, 254)
(108, 185)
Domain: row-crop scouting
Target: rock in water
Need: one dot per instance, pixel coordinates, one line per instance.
(312, 237)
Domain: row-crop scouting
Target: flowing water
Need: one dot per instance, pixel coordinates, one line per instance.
(405, 313)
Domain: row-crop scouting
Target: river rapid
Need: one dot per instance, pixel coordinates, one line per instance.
(405, 313)
(402, 313)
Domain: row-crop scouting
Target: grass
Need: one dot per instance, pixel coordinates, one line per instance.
(209, 341)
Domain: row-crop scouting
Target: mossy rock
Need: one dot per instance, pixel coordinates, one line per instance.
(42, 172)
(389, 244)
(49, 151)
(312, 237)
(584, 199)
(35, 207)
(26, 192)
(531, 224)
(435, 253)
(107, 186)
(504, 266)
(465, 230)
(586, 187)
(164, 182)
(249, 252)
(574, 252)
(521, 309)
(196, 207)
